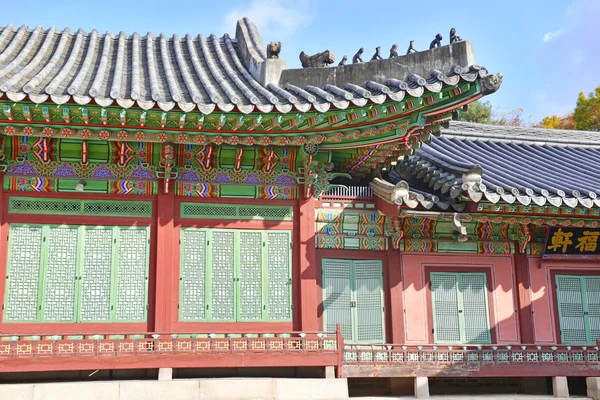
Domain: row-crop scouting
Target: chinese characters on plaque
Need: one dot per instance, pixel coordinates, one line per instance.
(572, 243)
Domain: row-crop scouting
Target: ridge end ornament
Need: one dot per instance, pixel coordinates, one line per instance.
(491, 83)
(319, 60)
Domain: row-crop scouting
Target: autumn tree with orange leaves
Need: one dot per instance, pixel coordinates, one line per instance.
(585, 117)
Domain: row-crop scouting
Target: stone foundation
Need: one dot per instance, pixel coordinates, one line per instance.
(214, 389)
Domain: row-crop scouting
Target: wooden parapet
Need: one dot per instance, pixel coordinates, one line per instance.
(469, 361)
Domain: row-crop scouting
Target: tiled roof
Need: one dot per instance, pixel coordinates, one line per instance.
(506, 164)
(191, 72)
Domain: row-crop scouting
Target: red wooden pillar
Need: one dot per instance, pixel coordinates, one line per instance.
(524, 297)
(308, 265)
(165, 301)
(3, 241)
(396, 304)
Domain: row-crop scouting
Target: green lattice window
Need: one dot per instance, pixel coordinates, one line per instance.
(233, 211)
(235, 275)
(460, 308)
(578, 308)
(353, 297)
(76, 274)
(32, 205)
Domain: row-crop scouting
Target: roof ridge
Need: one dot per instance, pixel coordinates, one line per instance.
(521, 133)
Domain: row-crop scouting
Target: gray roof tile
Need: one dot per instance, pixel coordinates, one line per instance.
(504, 163)
(191, 72)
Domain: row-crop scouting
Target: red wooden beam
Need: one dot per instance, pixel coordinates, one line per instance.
(181, 360)
(390, 210)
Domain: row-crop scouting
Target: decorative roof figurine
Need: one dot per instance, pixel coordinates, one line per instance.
(453, 37)
(394, 51)
(273, 49)
(343, 62)
(411, 48)
(437, 42)
(322, 59)
(377, 55)
(356, 58)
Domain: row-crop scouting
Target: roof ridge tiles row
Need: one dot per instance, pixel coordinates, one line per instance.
(191, 72)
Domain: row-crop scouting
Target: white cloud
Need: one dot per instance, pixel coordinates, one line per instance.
(275, 19)
(553, 35)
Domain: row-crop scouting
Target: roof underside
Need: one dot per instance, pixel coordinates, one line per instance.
(476, 162)
(202, 72)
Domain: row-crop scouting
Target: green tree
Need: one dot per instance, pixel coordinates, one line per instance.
(556, 122)
(478, 112)
(587, 111)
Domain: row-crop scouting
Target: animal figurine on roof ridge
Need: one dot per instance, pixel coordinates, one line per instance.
(453, 37)
(437, 42)
(322, 59)
(356, 58)
(273, 50)
(377, 55)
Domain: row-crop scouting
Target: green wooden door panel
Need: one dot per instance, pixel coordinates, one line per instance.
(96, 275)
(279, 273)
(192, 304)
(250, 276)
(473, 293)
(368, 286)
(239, 275)
(592, 290)
(60, 274)
(132, 275)
(23, 274)
(571, 309)
(460, 308)
(444, 294)
(578, 308)
(82, 274)
(222, 252)
(337, 296)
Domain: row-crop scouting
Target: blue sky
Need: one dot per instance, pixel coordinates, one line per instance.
(548, 50)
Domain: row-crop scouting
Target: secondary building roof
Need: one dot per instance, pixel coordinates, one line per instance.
(208, 72)
(494, 163)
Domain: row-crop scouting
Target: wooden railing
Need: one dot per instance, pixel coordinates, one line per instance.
(485, 360)
(20, 353)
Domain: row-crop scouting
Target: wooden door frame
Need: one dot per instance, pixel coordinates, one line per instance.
(352, 255)
(440, 268)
